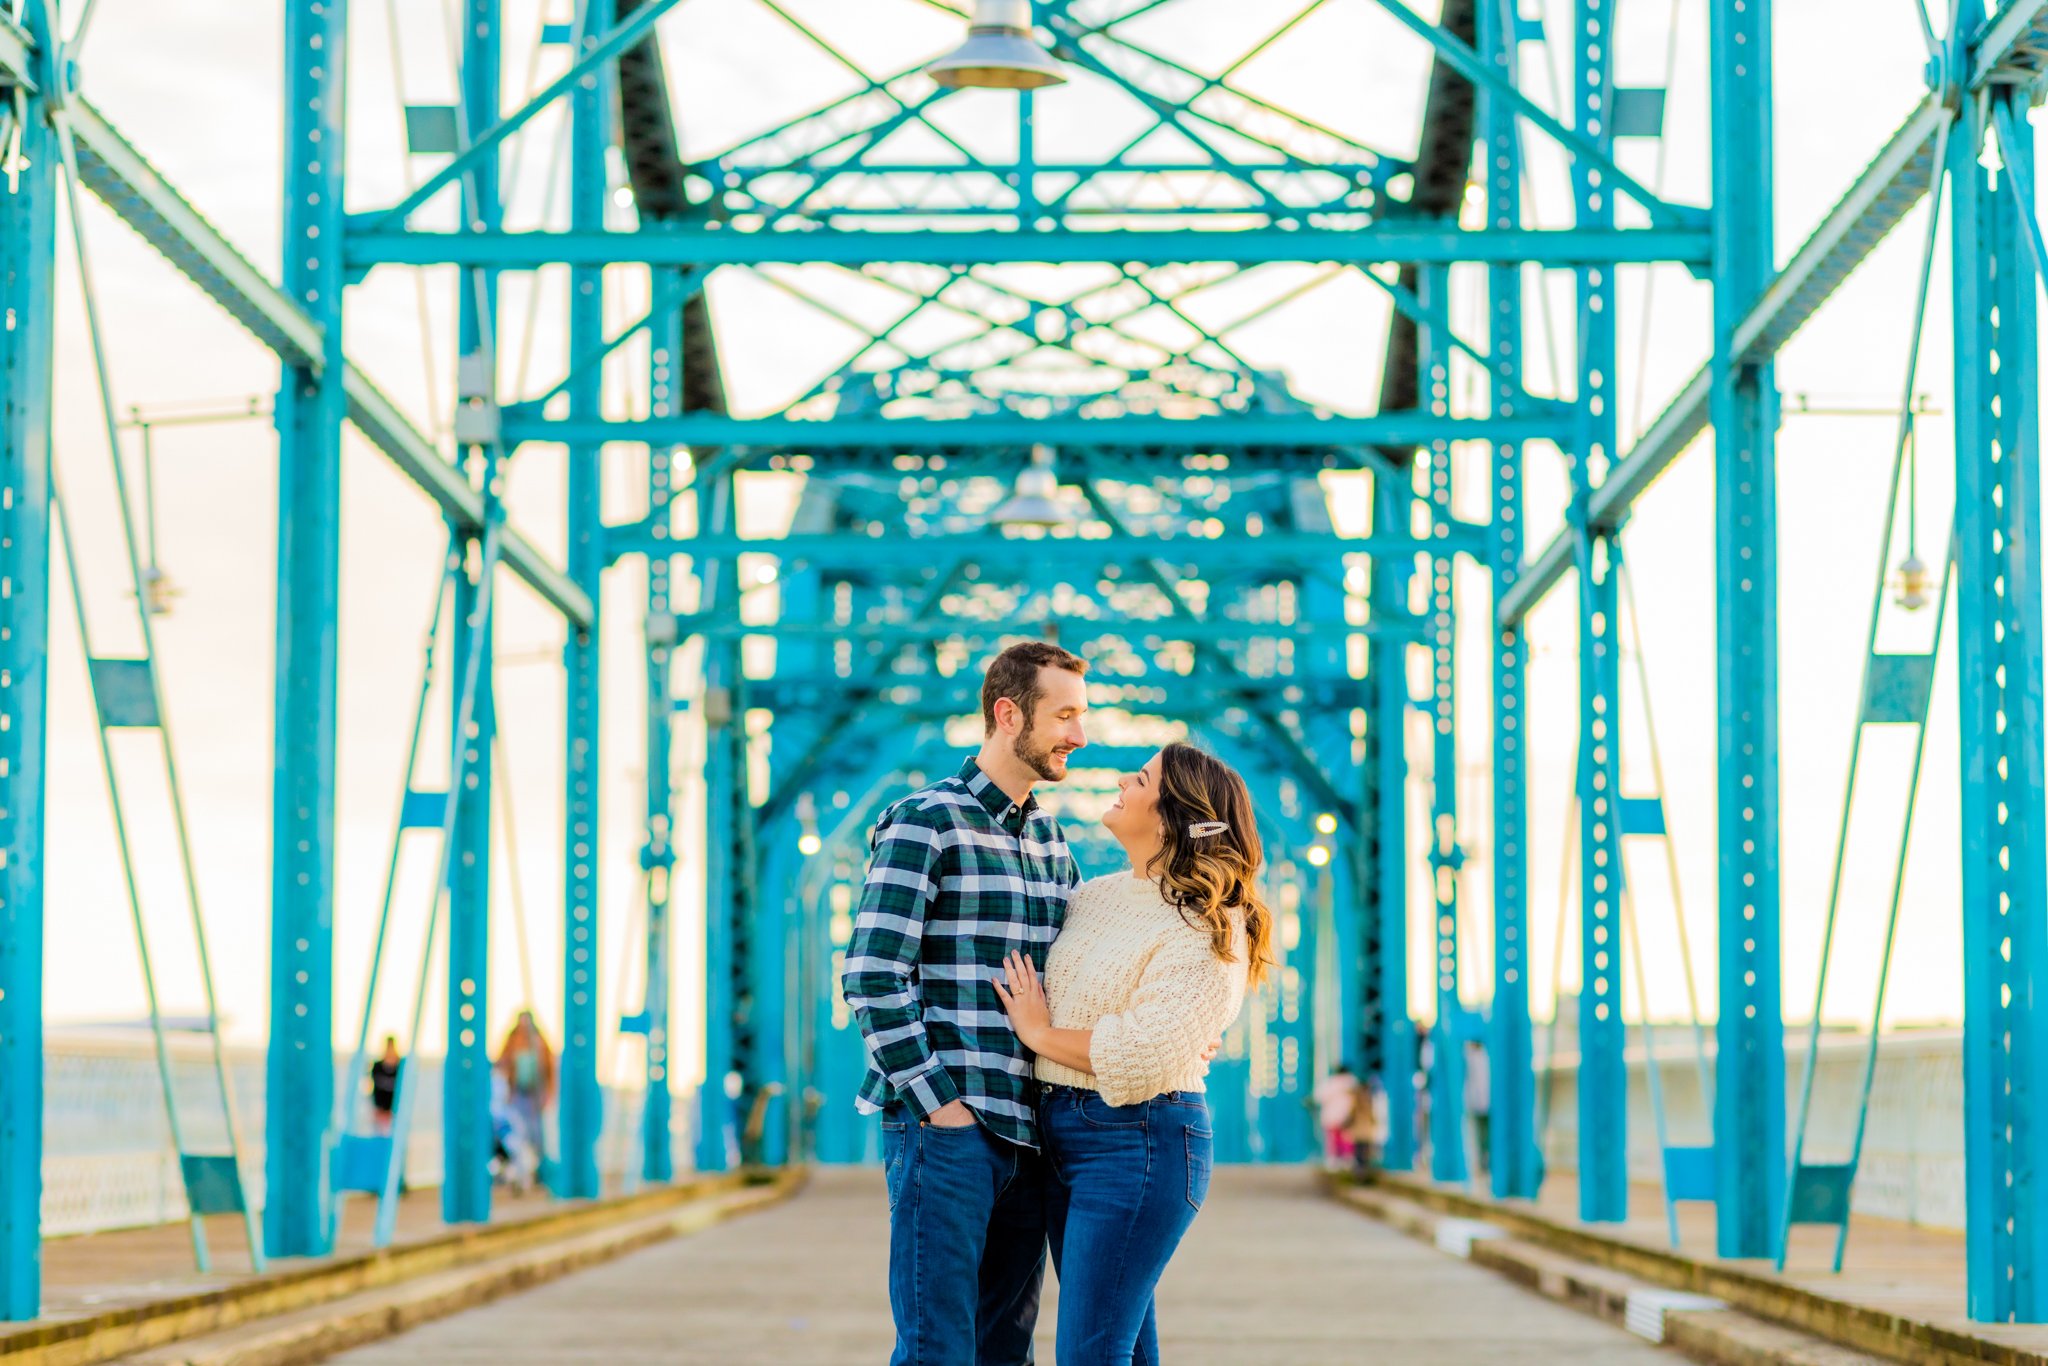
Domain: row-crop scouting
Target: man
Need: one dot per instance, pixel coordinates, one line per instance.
(964, 871)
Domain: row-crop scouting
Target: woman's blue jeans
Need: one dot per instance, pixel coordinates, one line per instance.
(1127, 1183)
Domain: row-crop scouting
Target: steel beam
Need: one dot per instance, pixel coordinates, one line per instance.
(727, 846)
(657, 852)
(581, 1109)
(28, 271)
(310, 410)
(1603, 1078)
(1447, 1072)
(466, 1142)
(1384, 818)
(114, 171)
(661, 245)
(1883, 195)
(1749, 1090)
(1074, 554)
(1220, 432)
(1514, 1165)
(1999, 665)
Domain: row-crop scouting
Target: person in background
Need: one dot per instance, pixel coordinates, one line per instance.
(1479, 1105)
(1367, 1128)
(527, 1066)
(1337, 1098)
(384, 1085)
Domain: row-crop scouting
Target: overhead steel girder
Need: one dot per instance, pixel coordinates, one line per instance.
(662, 245)
(1220, 432)
(1882, 196)
(1586, 150)
(962, 692)
(1069, 554)
(1073, 631)
(114, 171)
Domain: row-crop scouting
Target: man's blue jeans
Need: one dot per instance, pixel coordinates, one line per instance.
(1126, 1184)
(966, 1243)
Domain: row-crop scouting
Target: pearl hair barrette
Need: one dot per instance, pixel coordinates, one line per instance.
(1203, 829)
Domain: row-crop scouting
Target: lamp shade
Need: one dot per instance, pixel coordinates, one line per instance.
(1000, 52)
(1035, 500)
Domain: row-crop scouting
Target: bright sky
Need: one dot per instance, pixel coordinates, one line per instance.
(196, 88)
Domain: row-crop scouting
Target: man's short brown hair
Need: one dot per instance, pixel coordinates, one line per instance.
(1014, 674)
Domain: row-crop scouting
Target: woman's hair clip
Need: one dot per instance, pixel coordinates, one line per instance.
(1203, 829)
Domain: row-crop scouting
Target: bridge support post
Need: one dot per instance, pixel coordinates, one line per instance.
(1384, 879)
(1999, 663)
(581, 1112)
(299, 1094)
(1514, 1162)
(1603, 1080)
(466, 1082)
(657, 853)
(1749, 1091)
(310, 408)
(1447, 1071)
(28, 272)
(727, 853)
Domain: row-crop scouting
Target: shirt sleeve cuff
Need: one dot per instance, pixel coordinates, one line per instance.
(929, 1091)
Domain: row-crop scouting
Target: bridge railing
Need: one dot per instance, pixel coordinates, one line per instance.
(1912, 1166)
(108, 1161)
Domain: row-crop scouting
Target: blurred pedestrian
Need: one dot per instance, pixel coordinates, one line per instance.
(526, 1065)
(1336, 1098)
(384, 1085)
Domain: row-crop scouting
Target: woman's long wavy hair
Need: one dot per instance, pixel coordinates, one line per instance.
(1206, 876)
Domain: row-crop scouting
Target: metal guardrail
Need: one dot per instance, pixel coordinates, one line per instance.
(1912, 1166)
(108, 1160)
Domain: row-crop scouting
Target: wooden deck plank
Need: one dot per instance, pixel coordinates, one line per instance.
(1274, 1272)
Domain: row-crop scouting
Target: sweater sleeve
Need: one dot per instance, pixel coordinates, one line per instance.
(1186, 997)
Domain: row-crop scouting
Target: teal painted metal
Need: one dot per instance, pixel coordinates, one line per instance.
(28, 260)
(1998, 626)
(1603, 1080)
(1447, 1159)
(310, 408)
(1749, 1095)
(1514, 1164)
(581, 1111)
(657, 850)
(727, 813)
(466, 1141)
(656, 246)
(1384, 876)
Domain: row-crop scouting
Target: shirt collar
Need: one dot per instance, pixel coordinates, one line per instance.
(994, 798)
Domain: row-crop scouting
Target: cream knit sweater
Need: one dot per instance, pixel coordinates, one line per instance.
(1149, 985)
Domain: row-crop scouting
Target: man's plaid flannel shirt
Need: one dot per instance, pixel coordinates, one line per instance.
(960, 876)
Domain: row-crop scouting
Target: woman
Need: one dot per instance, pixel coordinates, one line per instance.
(1151, 964)
(526, 1068)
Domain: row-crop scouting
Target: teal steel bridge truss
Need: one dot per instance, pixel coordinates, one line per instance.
(1043, 303)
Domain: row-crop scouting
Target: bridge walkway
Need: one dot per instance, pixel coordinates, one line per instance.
(1274, 1272)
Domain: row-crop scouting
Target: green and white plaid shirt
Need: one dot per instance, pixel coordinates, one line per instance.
(960, 876)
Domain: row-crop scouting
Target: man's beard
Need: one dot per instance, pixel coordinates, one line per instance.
(1040, 759)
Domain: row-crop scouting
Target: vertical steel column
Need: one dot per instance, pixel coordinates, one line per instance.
(298, 1099)
(657, 853)
(466, 1087)
(1447, 1069)
(1998, 644)
(1603, 1081)
(581, 1112)
(1749, 1096)
(727, 1032)
(1514, 1163)
(1384, 880)
(28, 298)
